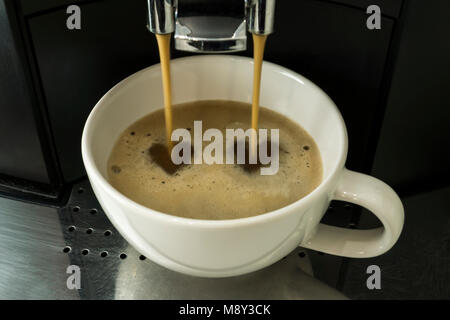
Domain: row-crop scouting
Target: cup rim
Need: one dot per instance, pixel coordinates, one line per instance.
(94, 173)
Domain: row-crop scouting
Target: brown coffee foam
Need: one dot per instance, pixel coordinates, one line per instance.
(218, 191)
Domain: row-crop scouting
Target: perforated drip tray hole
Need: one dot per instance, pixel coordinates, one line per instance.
(104, 254)
(89, 235)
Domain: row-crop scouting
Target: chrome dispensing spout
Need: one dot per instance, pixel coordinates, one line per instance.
(260, 16)
(212, 26)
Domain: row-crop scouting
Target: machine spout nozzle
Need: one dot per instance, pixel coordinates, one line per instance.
(161, 16)
(211, 25)
(260, 16)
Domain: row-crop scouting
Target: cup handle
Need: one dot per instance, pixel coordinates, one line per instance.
(374, 195)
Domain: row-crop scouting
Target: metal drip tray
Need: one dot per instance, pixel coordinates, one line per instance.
(38, 243)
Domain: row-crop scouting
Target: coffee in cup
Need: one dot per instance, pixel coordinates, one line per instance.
(212, 191)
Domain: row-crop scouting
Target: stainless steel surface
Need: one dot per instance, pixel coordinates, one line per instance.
(210, 26)
(210, 34)
(260, 15)
(161, 19)
(33, 264)
(186, 39)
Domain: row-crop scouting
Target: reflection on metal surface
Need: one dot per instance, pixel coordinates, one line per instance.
(207, 34)
(33, 262)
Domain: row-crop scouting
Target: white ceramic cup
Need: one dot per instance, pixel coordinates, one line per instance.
(220, 248)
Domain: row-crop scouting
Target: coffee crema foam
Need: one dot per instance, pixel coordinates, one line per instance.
(217, 191)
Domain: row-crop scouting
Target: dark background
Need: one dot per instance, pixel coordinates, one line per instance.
(391, 85)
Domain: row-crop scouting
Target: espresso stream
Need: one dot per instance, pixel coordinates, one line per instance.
(259, 42)
(164, 56)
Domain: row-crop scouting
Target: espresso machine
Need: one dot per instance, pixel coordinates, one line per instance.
(51, 77)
